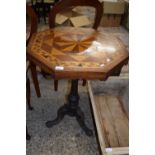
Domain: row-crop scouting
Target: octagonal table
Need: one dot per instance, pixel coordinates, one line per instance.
(76, 53)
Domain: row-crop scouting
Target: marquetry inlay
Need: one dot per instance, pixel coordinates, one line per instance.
(77, 49)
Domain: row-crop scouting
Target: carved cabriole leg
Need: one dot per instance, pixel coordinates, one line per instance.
(80, 118)
(35, 78)
(60, 115)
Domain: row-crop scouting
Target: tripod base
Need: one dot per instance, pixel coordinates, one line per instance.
(72, 109)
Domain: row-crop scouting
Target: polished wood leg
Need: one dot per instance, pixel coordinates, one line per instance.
(72, 109)
(47, 76)
(44, 74)
(34, 78)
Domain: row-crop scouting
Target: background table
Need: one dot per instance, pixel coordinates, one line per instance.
(42, 7)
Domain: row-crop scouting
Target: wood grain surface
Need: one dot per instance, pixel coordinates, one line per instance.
(68, 52)
(112, 123)
(114, 120)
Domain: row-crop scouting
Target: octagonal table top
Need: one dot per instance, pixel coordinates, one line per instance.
(69, 52)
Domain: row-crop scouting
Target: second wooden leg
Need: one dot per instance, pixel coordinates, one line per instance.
(35, 78)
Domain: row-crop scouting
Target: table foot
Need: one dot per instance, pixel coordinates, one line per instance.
(72, 109)
(30, 107)
(60, 115)
(81, 120)
(28, 137)
(67, 110)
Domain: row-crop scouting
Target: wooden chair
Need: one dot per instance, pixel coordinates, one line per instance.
(33, 28)
(64, 4)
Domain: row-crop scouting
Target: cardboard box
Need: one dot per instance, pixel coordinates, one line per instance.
(125, 18)
(60, 19)
(80, 21)
(111, 20)
(72, 18)
(114, 7)
(113, 11)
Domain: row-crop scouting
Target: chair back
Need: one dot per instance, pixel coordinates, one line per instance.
(64, 4)
(33, 21)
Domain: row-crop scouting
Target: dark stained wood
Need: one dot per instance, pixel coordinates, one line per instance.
(77, 53)
(64, 4)
(34, 21)
(28, 93)
(30, 12)
(34, 78)
(72, 109)
(33, 29)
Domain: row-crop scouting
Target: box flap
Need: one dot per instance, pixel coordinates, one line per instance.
(60, 19)
(80, 21)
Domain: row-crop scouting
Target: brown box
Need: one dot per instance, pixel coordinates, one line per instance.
(111, 115)
(111, 7)
(80, 21)
(71, 18)
(125, 18)
(113, 11)
(110, 20)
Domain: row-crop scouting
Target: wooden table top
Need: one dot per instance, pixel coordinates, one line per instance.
(77, 53)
